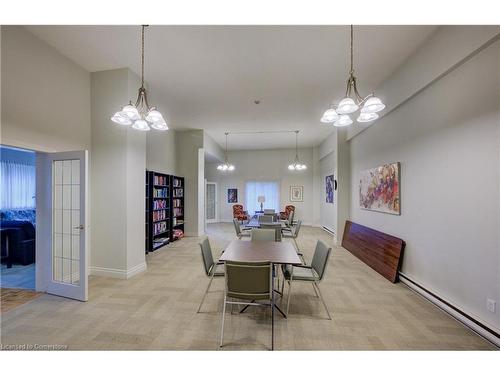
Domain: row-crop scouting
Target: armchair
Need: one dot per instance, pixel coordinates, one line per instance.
(239, 214)
(284, 215)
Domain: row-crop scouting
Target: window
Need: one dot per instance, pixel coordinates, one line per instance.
(17, 185)
(269, 189)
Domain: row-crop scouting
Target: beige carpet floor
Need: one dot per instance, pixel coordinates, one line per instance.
(156, 310)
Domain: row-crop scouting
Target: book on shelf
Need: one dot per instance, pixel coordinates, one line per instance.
(178, 193)
(176, 182)
(159, 227)
(160, 192)
(159, 215)
(178, 211)
(160, 204)
(160, 180)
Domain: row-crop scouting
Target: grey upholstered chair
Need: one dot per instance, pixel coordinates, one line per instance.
(266, 218)
(293, 234)
(211, 268)
(277, 229)
(262, 234)
(269, 211)
(313, 273)
(240, 233)
(246, 283)
(289, 222)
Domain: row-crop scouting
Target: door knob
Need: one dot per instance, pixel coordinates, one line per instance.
(80, 226)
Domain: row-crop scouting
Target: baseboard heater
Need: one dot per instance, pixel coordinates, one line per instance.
(329, 230)
(481, 329)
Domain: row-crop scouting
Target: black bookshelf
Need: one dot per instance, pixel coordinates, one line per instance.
(177, 204)
(158, 210)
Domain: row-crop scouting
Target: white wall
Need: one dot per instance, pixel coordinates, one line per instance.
(118, 166)
(161, 151)
(189, 143)
(45, 96)
(269, 165)
(447, 139)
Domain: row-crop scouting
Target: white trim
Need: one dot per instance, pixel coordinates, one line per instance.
(461, 318)
(118, 273)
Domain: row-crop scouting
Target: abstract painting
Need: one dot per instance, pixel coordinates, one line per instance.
(379, 189)
(329, 183)
(296, 193)
(232, 195)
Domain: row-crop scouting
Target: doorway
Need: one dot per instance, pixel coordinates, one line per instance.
(211, 211)
(18, 218)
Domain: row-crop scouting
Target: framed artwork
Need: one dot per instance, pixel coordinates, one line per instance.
(379, 189)
(296, 193)
(330, 187)
(232, 195)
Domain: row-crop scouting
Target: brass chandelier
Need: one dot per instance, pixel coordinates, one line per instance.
(352, 101)
(141, 116)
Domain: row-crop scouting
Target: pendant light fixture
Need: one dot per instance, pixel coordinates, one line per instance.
(141, 116)
(297, 165)
(226, 166)
(370, 105)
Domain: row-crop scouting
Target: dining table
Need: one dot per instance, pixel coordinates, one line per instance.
(278, 253)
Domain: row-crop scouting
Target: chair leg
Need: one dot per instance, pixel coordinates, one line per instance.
(315, 292)
(206, 291)
(296, 245)
(222, 326)
(272, 321)
(289, 293)
(322, 300)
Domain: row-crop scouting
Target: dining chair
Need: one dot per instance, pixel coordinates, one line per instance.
(239, 232)
(269, 211)
(211, 268)
(312, 273)
(277, 229)
(258, 234)
(247, 283)
(293, 234)
(266, 218)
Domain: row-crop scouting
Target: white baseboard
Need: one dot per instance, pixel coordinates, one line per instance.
(479, 327)
(118, 273)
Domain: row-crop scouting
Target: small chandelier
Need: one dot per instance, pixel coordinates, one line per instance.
(352, 102)
(297, 165)
(141, 116)
(226, 166)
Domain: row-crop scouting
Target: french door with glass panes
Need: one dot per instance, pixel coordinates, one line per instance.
(211, 202)
(67, 273)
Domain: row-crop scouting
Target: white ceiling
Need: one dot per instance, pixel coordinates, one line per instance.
(209, 76)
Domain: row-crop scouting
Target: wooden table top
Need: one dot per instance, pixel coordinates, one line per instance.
(258, 251)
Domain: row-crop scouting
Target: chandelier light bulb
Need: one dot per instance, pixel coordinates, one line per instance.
(154, 116)
(373, 105)
(329, 116)
(367, 117)
(160, 125)
(230, 167)
(344, 120)
(131, 112)
(141, 125)
(121, 119)
(347, 106)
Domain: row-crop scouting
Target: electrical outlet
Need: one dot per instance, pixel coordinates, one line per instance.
(491, 305)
